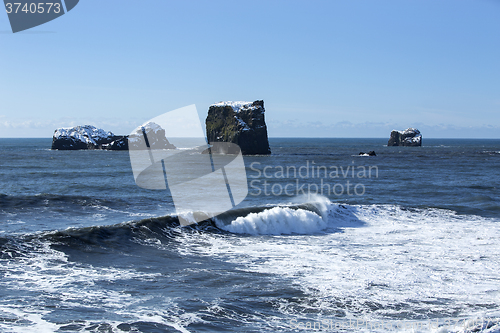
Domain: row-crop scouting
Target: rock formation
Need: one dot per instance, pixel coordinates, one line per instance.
(370, 153)
(151, 135)
(408, 137)
(91, 137)
(241, 123)
(87, 137)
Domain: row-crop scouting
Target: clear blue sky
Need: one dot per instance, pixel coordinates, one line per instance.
(323, 68)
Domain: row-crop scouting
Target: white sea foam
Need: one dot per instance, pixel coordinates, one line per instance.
(49, 274)
(387, 262)
(277, 221)
(377, 263)
(33, 319)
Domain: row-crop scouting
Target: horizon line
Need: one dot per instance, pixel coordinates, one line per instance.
(317, 137)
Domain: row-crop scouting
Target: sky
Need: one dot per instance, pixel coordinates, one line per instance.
(356, 68)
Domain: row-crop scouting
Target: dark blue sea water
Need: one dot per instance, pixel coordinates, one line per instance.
(326, 239)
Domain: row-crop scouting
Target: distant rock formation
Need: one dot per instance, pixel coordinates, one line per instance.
(241, 123)
(409, 137)
(87, 137)
(91, 137)
(149, 135)
(370, 153)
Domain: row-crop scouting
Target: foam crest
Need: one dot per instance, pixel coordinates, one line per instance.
(387, 263)
(277, 221)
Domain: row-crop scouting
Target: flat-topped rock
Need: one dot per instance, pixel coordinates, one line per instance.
(241, 123)
(91, 137)
(87, 137)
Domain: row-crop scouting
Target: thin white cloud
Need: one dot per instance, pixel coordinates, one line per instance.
(12, 127)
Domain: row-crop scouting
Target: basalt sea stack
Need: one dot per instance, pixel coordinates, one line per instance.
(241, 123)
(409, 137)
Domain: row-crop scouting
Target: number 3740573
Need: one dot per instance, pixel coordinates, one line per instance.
(33, 8)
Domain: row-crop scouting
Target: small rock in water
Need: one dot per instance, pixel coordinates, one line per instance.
(370, 153)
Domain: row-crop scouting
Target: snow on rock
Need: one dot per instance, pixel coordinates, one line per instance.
(91, 137)
(237, 106)
(154, 134)
(86, 137)
(88, 133)
(409, 137)
(241, 123)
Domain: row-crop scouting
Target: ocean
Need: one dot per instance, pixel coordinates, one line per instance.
(326, 241)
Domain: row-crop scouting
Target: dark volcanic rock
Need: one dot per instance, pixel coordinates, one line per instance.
(91, 137)
(409, 137)
(86, 137)
(117, 143)
(241, 123)
(222, 148)
(370, 153)
(149, 135)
